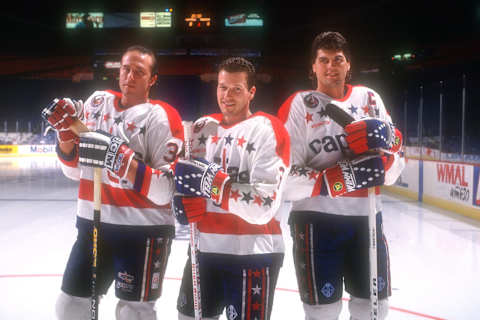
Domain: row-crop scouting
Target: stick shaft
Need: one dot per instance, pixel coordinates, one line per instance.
(372, 228)
(197, 298)
(78, 127)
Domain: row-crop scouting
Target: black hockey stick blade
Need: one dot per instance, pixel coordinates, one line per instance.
(338, 115)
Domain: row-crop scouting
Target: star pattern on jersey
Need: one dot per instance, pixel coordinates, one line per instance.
(267, 201)
(97, 115)
(202, 139)
(228, 139)
(131, 126)
(143, 130)
(366, 109)
(234, 195)
(258, 200)
(106, 117)
(247, 197)
(353, 109)
(308, 117)
(322, 113)
(250, 147)
(241, 141)
(118, 120)
(215, 139)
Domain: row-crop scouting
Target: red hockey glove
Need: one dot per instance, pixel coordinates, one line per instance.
(189, 209)
(101, 149)
(369, 134)
(347, 176)
(61, 114)
(198, 177)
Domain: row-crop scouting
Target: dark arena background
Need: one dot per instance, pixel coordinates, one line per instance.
(422, 57)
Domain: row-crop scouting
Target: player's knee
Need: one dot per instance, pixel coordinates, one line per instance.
(360, 308)
(329, 311)
(181, 316)
(69, 307)
(135, 310)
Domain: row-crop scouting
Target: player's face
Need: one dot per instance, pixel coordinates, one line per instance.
(233, 96)
(136, 76)
(331, 68)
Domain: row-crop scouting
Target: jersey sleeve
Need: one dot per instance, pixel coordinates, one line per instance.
(301, 181)
(258, 201)
(163, 140)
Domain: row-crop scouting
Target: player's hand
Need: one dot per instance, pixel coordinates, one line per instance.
(61, 114)
(189, 209)
(369, 134)
(347, 176)
(101, 149)
(198, 177)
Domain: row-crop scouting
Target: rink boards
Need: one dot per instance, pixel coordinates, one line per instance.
(450, 185)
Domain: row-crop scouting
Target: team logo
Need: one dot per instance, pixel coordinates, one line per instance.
(337, 186)
(310, 101)
(232, 314)
(128, 278)
(328, 290)
(97, 101)
(215, 190)
(199, 126)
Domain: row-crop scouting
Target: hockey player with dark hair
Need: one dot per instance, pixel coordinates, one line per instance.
(332, 167)
(134, 139)
(232, 188)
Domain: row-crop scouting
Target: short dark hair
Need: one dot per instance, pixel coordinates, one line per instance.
(144, 50)
(239, 64)
(329, 40)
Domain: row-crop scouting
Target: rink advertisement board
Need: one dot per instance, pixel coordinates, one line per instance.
(448, 181)
(27, 150)
(454, 186)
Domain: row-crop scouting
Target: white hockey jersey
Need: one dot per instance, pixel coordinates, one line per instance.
(154, 131)
(256, 155)
(319, 143)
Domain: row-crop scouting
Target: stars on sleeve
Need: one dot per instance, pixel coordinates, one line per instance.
(97, 115)
(322, 112)
(106, 117)
(366, 109)
(203, 139)
(143, 130)
(247, 197)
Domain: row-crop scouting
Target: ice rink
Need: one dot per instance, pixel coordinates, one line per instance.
(435, 255)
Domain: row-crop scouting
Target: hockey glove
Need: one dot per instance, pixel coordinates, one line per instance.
(189, 209)
(61, 114)
(198, 177)
(101, 149)
(347, 176)
(369, 134)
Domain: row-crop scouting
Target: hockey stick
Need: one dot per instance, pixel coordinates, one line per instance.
(343, 118)
(197, 300)
(78, 127)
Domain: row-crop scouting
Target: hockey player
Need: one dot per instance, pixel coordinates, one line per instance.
(332, 168)
(137, 226)
(232, 190)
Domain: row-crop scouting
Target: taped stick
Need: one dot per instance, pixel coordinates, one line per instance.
(79, 127)
(197, 297)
